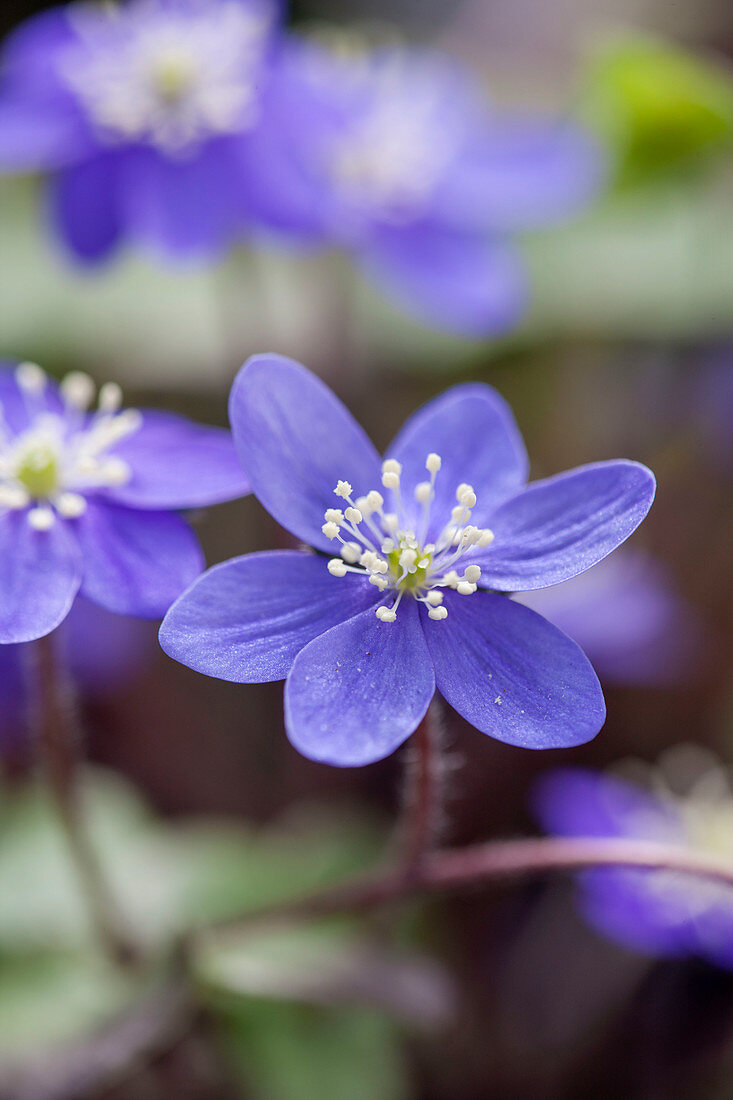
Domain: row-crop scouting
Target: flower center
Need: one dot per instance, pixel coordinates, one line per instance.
(172, 77)
(62, 455)
(395, 558)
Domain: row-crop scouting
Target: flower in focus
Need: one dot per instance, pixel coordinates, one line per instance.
(686, 801)
(628, 618)
(101, 652)
(427, 544)
(88, 500)
(394, 155)
(147, 114)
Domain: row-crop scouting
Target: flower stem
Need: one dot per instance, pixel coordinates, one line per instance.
(482, 864)
(421, 820)
(57, 745)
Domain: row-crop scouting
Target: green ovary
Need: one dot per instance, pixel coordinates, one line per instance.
(413, 582)
(38, 472)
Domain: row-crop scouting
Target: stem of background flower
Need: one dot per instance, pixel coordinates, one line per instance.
(482, 864)
(422, 812)
(57, 744)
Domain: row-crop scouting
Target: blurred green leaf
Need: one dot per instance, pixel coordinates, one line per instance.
(289, 1052)
(662, 108)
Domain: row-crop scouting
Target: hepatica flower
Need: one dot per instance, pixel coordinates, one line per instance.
(145, 112)
(89, 500)
(413, 556)
(687, 801)
(395, 155)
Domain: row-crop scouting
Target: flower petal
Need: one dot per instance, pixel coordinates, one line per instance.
(39, 578)
(581, 802)
(359, 690)
(473, 430)
(450, 279)
(247, 619)
(512, 674)
(557, 528)
(296, 441)
(176, 463)
(39, 135)
(136, 563)
(85, 209)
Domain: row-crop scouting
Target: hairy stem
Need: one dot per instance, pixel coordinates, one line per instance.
(483, 864)
(421, 819)
(57, 746)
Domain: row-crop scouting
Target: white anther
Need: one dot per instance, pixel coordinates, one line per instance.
(343, 489)
(386, 614)
(115, 471)
(330, 529)
(438, 612)
(110, 397)
(77, 390)
(466, 496)
(390, 480)
(334, 515)
(423, 492)
(337, 568)
(353, 515)
(465, 588)
(391, 521)
(434, 598)
(379, 582)
(362, 505)
(391, 466)
(451, 578)
(433, 463)
(41, 518)
(70, 505)
(13, 496)
(351, 552)
(472, 573)
(374, 501)
(423, 563)
(30, 377)
(457, 513)
(485, 538)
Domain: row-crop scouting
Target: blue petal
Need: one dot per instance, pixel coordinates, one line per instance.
(178, 464)
(513, 675)
(186, 208)
(359, 690)
(39, 135)
(473, 430)
(39, 578)
(522, 172)
(581, 802)
(560, 527)
(247, 619)
(449, 279)
(296, 441)
(85, 207)
(136, 563)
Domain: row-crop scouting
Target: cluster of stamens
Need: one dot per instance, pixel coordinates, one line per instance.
(394, 557)
(151, 72)
(61, 455)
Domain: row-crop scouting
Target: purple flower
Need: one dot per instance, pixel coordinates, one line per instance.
(88, 500)
(627, 616)
(655, 912)
(415, 599)
(101, 651)
(147, 113)
(396, 156)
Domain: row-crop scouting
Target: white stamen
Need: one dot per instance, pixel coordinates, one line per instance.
(437, 613)
(110, 398)
(13, 496)
(41, 518)
(374, 501)
(334, 515)
(386, 614)
(351, 552)
(336, 567)
(433, 463)
(391, 481)
(77, 390)
(70, 505)
(330, 529)
(353, 515)
(31, 378)
(343, 489)
(423, 492)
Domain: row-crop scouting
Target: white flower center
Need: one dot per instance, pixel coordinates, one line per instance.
(166, 76)
(48, 467)
(392, 158)
(381, 546)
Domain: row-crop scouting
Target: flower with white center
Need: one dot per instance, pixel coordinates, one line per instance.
(89, 499)
(685, 801)
(416, 597)
(149, 114)
(395, 155)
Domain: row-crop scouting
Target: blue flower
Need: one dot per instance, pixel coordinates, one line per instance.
(147, 113)
(396, 156)
(686, 802)
(428, 542)
(88, 500)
